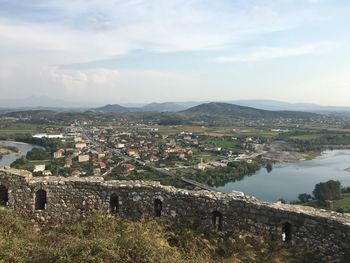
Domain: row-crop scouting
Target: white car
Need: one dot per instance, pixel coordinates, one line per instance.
(238, 193)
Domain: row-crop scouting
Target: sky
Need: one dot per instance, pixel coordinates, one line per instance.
(142, 51)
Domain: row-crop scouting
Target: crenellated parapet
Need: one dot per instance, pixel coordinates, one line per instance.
(59, 199)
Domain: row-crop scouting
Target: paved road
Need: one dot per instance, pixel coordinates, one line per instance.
(200, 185)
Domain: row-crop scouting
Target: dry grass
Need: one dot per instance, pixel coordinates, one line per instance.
(101, 238)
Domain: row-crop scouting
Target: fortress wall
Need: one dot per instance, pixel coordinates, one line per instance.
(69, 199)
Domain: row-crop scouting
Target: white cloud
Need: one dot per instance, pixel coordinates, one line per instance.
(80, 82)
(268, 53)
(89, 30)
(119, 85)
(56, 32)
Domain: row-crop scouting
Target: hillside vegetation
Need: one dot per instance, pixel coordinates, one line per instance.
(220, 109)
(100, 238)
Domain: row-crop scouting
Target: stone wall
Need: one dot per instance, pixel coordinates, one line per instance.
(68, 199)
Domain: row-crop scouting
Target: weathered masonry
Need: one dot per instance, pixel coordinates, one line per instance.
(66, 199)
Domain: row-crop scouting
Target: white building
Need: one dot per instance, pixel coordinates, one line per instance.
(120, 145)
(50, 136)
(83, 158)
(39, 168)
(58, 154)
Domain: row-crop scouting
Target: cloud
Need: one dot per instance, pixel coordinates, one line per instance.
(123, 86)
(268, 53)
(38, 37)
(89, 30)
(80, 82)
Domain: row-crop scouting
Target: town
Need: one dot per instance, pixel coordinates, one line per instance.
(136, 152)
(138, 147)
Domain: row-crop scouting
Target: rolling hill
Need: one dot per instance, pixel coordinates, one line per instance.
(31, 113)
(152, 107)
(114, 108)
(227, 110)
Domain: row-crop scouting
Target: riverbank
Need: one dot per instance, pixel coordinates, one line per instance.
(288, 179)
(6, 150)
(12, 150)
(283, 152)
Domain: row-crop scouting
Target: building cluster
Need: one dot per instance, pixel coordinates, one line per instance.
(97, 150)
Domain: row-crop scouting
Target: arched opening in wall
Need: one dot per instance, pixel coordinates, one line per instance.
(286, 232)
(40, 200)
(114, 204)
(158, 205)
(217, 220)
(4, 196)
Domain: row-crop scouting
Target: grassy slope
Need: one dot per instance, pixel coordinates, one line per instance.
(106, 239)
(343, 203)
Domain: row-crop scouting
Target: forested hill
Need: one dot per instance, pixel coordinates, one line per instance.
(227, 110)
(114, 108)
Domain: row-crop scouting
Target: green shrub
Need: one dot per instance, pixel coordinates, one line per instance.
(37, 154)
(329, 190)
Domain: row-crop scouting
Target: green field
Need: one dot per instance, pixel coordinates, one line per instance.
(216, 142)
(19, 129)
(343, 203)
(215, 131)
(305, 137)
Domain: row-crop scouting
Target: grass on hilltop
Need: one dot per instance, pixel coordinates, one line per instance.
(101, 238)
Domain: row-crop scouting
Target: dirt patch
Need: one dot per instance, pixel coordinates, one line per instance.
(5, 151)
(280, 151)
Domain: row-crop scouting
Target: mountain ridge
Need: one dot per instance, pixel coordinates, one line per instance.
(44, 102)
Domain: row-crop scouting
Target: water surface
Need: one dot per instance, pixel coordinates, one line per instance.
(288, 180)
(10, 158)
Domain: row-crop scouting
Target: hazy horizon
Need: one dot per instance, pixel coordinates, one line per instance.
(49, 102)
(139, 52)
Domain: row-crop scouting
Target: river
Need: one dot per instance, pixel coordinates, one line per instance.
(10, 158)
(288, 180)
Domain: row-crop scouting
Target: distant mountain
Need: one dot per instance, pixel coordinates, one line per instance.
(28, 109)
(286, 106)
(32, 113)
(227, 110)
(47, 103)
(114, 108)
(163, 107)
(153, 107)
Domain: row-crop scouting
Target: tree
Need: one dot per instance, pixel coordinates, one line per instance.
(304, 197)
(269, 167)
(329, 190)
(37, 154)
